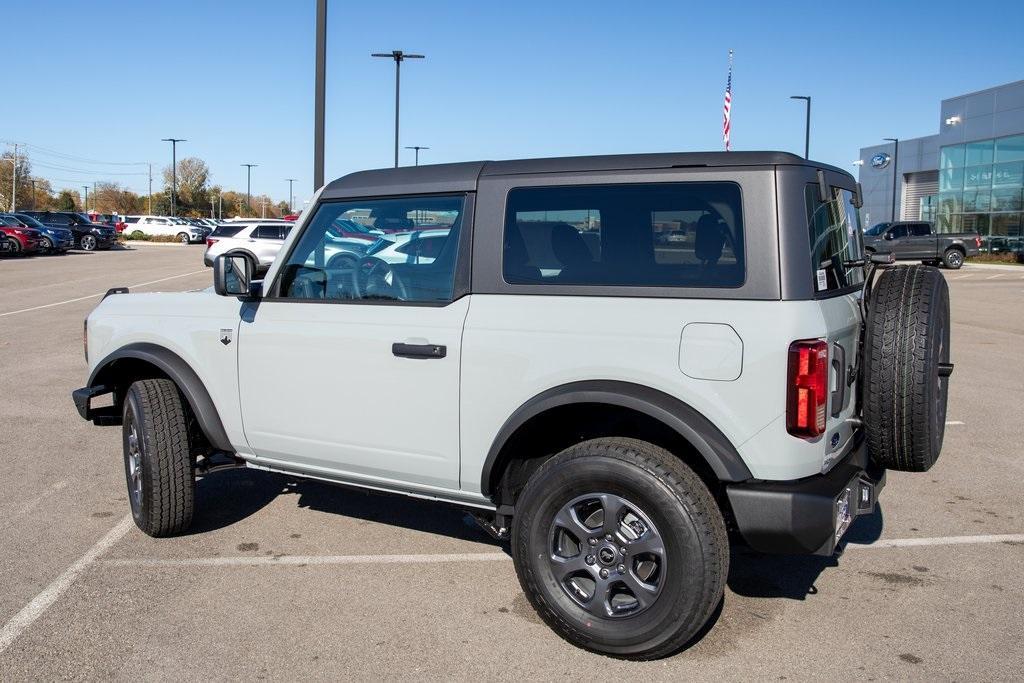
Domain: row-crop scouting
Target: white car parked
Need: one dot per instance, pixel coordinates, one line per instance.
(257, 240)
(163, 225)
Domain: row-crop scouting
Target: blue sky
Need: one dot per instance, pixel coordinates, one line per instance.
(501, 80)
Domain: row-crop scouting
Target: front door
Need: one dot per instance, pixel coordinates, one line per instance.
(353, 372)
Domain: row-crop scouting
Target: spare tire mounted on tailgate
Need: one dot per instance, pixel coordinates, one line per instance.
(906, 367)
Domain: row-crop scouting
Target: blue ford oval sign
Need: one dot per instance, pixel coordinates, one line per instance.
(880, 160)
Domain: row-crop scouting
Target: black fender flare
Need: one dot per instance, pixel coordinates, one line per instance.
(713, 446)
(178, 370)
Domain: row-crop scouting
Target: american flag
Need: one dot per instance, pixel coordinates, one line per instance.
(727, 107)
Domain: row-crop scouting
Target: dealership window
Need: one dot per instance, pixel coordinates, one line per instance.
(981, 189)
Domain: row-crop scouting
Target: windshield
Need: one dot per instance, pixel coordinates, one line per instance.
(837, 249)
(7, 220)
(876, 230)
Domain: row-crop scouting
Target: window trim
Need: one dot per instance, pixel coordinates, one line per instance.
(858, 286)
(463, 256)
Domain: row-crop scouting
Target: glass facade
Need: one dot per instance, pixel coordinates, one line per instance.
(981, 189)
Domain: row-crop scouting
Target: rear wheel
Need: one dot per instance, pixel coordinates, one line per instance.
(906, 367)
(16, 249)
(620, 548)
(87, 243)
(157, 459)
(953, 259)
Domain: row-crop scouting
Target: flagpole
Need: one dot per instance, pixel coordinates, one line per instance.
(727, 109)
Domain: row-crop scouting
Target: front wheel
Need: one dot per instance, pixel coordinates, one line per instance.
(158, 462)
(87, 243)
(45, 245)
(183, 237)
(620, 548)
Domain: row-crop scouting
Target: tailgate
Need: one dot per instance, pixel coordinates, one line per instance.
(842, 320)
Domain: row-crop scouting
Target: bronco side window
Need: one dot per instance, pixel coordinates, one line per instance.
(409, 252)
(635, 235)
(835, 239)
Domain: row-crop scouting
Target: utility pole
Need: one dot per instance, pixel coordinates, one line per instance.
(320, 91)
(85, 201)
(33, 181)
(174, 172)
(290, 195)
(149, 210)
(807, 124)
(14, 180)
(263, 207)
(220, 206)
(248, 185)
(417, 148)
(399, 57)
(895, 173)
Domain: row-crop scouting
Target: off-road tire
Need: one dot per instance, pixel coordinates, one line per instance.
(906, 340)
(676, 501)
(167, 502)
(953, 258)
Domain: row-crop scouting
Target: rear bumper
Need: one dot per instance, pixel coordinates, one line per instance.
(806, 516)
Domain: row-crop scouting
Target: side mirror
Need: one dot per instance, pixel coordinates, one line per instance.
(884, 258)
(889, 236)
(231, 275)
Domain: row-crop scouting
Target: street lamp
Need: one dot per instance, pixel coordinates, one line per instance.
(320, 91)
(895, 170)
(248, 185)
(174, 172)
(417, 148)
(290, 202)
(399, 57)
(807, 124)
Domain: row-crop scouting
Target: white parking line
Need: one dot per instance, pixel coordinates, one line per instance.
(953, 422)
(993, 277)
(961, 277)
(49, 595)
(293, 560)
(92, 296)
(941, 540)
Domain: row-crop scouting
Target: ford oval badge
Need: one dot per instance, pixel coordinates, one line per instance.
(880, 160)
(835, 440)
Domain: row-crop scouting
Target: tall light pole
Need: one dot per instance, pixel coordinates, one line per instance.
(290, 195)
(895, 172)
(174, 172)
(417, 148)
(807, 124)
(248, 185)
(399, 57)
(320, 91)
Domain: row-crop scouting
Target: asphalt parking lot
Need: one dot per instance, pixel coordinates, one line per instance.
(291, 579)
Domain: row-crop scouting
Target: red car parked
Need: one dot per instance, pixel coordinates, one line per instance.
(21, 240)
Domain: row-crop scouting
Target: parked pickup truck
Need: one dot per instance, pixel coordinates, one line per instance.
(611, 405)
(918, 241)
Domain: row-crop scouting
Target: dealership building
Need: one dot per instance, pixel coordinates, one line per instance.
(969, 177)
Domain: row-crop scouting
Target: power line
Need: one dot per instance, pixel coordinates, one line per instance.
(72, 157)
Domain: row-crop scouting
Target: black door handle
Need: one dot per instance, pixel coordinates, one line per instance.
(419, 350)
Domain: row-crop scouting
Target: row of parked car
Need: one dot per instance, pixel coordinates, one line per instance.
(52, 232)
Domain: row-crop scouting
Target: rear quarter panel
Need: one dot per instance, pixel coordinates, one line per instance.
(515, 347)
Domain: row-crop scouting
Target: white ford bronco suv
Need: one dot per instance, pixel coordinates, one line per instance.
(616, 361)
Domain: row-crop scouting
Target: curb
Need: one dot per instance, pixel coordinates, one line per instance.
(993, 266)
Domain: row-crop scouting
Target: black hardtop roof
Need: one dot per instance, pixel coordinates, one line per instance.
(463, 177)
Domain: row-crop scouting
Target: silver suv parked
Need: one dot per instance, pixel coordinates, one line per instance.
(257, 240)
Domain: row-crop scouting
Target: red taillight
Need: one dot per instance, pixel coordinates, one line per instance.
(209, 242)
(807, 388)
(977, 242)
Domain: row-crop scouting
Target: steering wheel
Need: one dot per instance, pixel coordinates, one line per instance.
(373, 278)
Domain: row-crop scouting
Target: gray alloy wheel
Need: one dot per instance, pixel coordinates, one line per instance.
(45, 245)
(953, 258)
(87, 243)
(183, 237)
(15, 247)
(607, 555)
